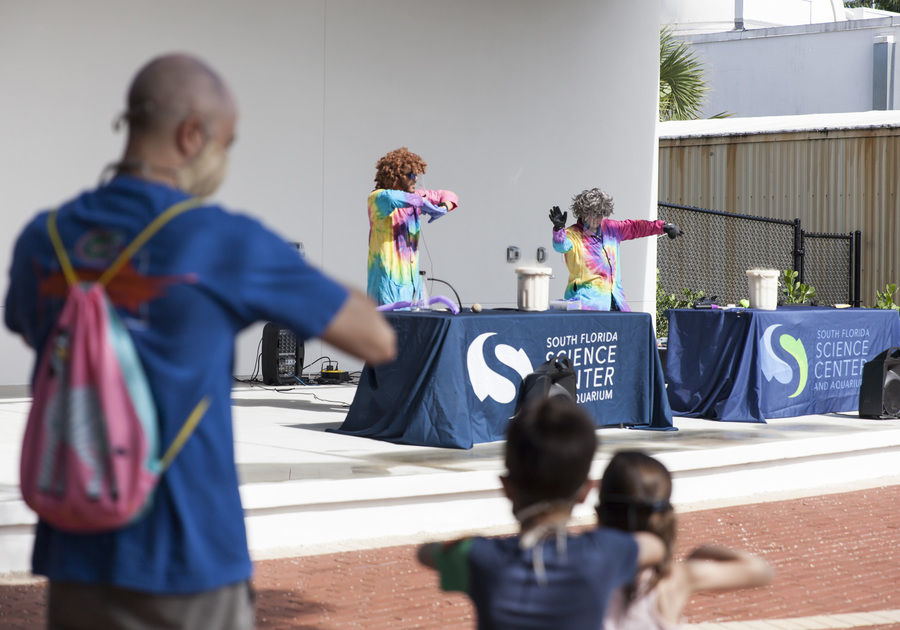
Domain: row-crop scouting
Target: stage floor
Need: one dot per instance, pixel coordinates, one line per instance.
(308, 491)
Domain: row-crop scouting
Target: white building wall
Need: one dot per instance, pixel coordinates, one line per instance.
(516, 105)
(697, 16)
(764, 12)
(811, 69)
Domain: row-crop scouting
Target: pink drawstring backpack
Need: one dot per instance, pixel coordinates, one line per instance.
(90, 455)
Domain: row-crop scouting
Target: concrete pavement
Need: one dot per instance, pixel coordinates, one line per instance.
(333, 519)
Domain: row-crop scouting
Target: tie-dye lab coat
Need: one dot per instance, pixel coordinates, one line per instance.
(394, 241)
(593, 260)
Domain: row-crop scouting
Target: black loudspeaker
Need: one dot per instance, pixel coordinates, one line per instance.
(554, 377)
(282, 356)
(879, 393)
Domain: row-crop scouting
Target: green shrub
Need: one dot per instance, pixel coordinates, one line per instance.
(795, 292)
(885, 299)
(664, 301)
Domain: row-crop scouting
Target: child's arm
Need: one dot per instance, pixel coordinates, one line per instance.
(651, 549)
(710, 568)
(450, 560)
(427, 554)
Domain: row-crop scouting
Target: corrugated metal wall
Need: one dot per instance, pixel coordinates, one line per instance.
(832, 180)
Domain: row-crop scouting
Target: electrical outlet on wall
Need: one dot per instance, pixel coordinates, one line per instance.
(512, 254)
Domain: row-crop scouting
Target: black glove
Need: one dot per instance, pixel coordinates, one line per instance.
(559, 218)
(672, 230)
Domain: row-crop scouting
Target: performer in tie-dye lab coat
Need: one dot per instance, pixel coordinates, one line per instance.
(591, 247)
(395, 208)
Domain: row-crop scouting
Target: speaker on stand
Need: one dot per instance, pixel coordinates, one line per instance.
(282, 356)
(879, 393)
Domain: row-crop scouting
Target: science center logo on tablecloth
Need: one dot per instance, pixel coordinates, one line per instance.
(486, 383)
(836, 363)
(775, 368)
(593, 354)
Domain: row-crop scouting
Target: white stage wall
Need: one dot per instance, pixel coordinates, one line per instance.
(516, 105)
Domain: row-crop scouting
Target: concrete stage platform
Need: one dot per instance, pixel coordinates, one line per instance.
(307, 491)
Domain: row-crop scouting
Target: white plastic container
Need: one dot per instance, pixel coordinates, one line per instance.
(534, 288)
(763, 288)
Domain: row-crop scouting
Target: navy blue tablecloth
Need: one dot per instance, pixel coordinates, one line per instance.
(749, 365)
(455, 381)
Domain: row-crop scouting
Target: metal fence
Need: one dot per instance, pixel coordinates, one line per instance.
(829, 265)
(719, 247)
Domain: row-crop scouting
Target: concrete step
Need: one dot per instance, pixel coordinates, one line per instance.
(307, 491)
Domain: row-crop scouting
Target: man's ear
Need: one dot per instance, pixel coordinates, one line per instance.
(190, 136)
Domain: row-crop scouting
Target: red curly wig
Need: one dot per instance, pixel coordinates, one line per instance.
(395, 167)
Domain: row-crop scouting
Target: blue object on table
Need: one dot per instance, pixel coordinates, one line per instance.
(749, 365)
(455, 381)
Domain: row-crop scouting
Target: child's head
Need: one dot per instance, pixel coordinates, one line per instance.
(549, 450)
(634, 497)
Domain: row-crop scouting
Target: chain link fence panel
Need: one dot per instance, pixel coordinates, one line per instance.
(827, 266)
(718, 248)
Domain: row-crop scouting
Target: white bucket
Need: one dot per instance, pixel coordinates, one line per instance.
(534, 288)
(763, 288)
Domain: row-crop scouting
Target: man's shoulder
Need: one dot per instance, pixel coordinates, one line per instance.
(37, 224)
(220, 216)
(131, 204)
(214, 219)
(33, 237)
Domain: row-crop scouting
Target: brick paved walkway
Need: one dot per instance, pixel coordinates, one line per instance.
(836, 555)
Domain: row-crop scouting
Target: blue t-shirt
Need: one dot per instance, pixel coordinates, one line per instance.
(185, 296)
(503, 582)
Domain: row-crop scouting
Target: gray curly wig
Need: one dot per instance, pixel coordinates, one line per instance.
(592, 201)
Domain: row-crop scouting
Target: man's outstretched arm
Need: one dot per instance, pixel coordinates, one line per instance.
(360, 330)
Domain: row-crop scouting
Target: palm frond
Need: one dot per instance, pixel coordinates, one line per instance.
(884, 5)
(682, 88)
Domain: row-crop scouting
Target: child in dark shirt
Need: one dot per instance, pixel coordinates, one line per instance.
(544, 577)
